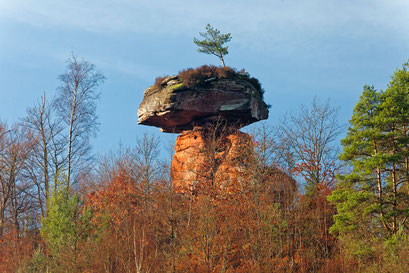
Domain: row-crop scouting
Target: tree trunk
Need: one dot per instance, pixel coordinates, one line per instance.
(70, 136)
(221, 58)
(380, 190)
(395, 196)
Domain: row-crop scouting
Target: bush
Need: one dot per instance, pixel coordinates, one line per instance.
(191, 77)
(38, 263)
(158, 81)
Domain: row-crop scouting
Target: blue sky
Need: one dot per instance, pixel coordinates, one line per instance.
(298, 49)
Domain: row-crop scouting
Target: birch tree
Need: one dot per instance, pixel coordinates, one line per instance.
(46, 134)
(76, 105)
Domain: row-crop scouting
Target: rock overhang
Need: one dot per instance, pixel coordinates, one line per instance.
(176, 106)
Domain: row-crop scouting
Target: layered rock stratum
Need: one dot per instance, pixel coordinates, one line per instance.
(181, 102)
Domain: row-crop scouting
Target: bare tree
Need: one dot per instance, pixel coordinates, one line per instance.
(4, 187)
(48, 149)
(76, 105)
(16, 195)
(145, 161)
(310, 137)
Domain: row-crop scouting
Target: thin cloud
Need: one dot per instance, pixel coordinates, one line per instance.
(276, 27)
(254, 18)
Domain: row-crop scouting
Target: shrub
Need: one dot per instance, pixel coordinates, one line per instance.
(159, 80)
(191, 77)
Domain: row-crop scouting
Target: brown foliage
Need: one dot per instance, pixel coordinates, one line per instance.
(16, 249)
(312, 218)
(192, 77)
(134, 230)
(159, 81)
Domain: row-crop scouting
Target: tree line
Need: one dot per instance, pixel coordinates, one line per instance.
(53, 139)
(301, 204)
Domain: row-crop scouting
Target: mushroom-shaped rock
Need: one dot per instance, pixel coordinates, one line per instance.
(199, 96)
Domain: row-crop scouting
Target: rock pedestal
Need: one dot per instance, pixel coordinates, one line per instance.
(204, 156)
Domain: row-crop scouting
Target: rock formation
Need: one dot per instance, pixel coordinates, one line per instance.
(207, 106)
(175, 104)
(203, 156)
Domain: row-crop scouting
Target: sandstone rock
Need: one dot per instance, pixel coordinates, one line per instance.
(201, 157)
(176, 107)
(226, 161)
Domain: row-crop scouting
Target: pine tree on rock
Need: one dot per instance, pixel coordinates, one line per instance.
(213, 43)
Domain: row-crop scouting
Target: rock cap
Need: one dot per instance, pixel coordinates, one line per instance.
(199, 96)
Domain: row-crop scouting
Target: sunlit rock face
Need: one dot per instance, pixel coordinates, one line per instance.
(225, 159)
(203, 156)
(175, 107)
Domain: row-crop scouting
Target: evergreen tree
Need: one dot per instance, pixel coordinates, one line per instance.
(66, 226)
(372, 198)
(213, 42)
(363, 188)
(395, 123)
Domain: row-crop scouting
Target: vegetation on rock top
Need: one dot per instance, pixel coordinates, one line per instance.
(192, 77)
